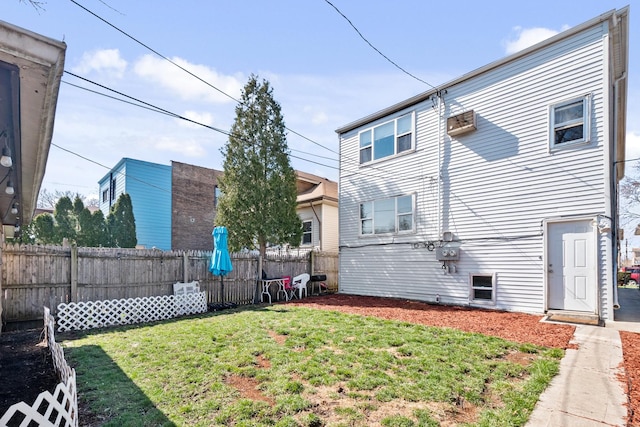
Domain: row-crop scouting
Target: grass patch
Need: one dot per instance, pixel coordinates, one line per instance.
(292, 366)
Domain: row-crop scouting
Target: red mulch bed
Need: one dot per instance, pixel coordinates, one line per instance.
(631, 354)
(25, 369)
(518, 327)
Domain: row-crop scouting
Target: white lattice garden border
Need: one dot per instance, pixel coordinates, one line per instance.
(49, 410)
(98, 314)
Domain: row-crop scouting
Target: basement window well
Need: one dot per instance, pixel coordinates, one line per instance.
(482, 288)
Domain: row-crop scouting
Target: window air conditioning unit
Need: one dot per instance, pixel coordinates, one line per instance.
(461, 123)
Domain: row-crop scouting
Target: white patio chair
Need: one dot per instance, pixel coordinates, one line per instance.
(299, 283)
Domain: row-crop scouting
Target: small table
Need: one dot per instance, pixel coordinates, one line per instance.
(266, 283)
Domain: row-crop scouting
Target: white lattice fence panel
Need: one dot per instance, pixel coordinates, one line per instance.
(60, 364)
(49, 410)
(97, 314)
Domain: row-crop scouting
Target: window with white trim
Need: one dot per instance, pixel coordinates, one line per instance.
(384, 216)
(387, 139)
(482, 288)
(307, 232)
(569, 122)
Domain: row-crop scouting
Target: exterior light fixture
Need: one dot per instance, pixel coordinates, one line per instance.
(9, 189)
(6, 160)
(14, 209)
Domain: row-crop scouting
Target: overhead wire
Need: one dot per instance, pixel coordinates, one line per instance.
(353, 161)
(375, 48)
(153, 50)
(151, 107)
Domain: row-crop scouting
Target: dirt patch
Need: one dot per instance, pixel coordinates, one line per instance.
(280, 339)
(26, 368)
(248, 388)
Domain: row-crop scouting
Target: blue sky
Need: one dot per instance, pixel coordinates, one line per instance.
(324, 75)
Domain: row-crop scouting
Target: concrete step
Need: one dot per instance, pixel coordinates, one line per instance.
(569, 316)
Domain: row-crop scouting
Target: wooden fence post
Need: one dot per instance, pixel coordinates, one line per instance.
(257, 296)
(311, 263)
(185, 267)
(73, 296)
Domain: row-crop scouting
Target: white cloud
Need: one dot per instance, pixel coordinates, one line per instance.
(319, 118)
(315, 117)
(103, 61)
(185, 147)
(204, 118)
(525, 37)
(186, 86)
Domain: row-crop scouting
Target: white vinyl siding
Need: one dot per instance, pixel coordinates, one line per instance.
(496, 185)
(329, 228)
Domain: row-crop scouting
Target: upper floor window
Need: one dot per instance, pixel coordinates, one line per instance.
(392, 215)
(570, 122)
(387, 139)
(105, 196)
(307, 232)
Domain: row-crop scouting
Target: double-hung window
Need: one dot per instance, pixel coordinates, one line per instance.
(569, 122)
(387, 139)
(307, 232)
(391, 215)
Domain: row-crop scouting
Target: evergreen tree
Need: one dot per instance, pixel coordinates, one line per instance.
(93, 229)
(65, 220)
(121, 224)
(258, 202)
(43, 228)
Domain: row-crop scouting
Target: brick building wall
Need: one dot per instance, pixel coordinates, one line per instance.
(192, 208)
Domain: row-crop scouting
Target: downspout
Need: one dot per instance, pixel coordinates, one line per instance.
(614, 177)
(614, 226)
(440, 143)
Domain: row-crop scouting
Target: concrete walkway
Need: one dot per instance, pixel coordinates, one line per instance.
(587, 391)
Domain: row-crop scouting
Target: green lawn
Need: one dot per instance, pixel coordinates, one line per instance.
(292, 366)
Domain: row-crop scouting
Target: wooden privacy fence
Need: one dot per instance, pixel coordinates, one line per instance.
(34, 276)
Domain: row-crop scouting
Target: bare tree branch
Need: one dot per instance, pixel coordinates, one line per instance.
(37, 5)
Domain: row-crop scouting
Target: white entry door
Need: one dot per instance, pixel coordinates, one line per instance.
(571, 270)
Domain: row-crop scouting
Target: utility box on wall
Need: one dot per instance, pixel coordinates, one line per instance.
(448, 253)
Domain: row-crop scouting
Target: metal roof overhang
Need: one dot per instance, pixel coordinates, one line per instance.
(31, 68)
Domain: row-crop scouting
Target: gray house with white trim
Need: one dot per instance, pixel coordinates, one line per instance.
(499, 188)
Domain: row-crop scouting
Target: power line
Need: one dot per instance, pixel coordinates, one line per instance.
(154, 108)
(355, 162)
(153, 50)
(187, 71)
(375, 48)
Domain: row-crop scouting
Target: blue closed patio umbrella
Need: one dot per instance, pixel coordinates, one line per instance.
(220, 260)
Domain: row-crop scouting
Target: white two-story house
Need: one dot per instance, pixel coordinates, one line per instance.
(499, 188)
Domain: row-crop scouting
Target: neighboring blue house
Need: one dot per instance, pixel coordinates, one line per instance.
(149, 186)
